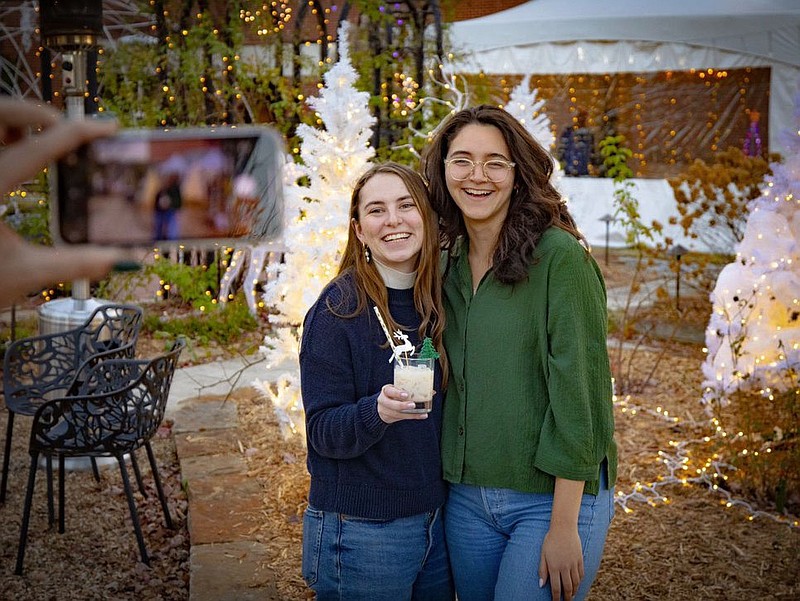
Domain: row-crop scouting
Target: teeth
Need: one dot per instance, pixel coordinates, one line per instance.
(391, 237)
(478, 192)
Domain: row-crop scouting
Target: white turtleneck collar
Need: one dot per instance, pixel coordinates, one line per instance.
(395, 279)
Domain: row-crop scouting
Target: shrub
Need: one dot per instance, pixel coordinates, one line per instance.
(712, 197)
(759, 435)
(223, 325)
(188, 285)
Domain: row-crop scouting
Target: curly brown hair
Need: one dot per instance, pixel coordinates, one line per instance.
(535, 204)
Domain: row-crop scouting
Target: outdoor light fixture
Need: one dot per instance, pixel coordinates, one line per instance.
(608, 220)
(677, 251)
(72, 28)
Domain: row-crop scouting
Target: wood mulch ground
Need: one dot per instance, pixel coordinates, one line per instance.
(96, 558)
(690, 547)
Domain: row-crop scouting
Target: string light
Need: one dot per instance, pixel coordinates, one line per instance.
(708, 471)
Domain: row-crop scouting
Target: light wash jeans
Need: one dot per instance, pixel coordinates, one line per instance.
(495, 538)
(352, 559)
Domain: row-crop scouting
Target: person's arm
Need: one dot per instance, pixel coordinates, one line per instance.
(24, 267)
(340, 422)
(561, 561)
(340, 425)
(578, 426)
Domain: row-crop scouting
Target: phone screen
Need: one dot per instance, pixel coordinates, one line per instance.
(144, 187)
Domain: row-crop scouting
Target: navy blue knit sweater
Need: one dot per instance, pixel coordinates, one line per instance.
(360, 465)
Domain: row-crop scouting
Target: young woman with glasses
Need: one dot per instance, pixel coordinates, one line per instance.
(527, 441)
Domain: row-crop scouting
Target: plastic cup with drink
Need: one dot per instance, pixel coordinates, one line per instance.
(413, 372)
(415, 376)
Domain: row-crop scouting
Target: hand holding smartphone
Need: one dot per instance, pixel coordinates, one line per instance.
(200, 186)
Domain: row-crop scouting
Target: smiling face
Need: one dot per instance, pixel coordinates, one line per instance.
(389, 222)
(483, 203)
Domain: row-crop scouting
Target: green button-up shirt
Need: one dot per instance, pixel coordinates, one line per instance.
(530, 396)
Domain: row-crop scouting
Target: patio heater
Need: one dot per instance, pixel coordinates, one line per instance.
(71, 28)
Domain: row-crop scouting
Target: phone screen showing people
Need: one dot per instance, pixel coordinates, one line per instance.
(143, 187)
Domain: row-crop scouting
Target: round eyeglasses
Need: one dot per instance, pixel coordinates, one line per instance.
(495, 170)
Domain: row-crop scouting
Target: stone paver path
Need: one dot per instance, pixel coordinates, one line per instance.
(224, 505)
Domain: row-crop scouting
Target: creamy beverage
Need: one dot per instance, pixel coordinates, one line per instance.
(415, 376)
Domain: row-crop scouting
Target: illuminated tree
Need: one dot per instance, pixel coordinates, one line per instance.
(528, 108)
(752, 385)
(317, 196)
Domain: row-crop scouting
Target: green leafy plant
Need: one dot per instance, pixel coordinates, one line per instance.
(27, 210)
(627, 322)
(182, 72)
(615, 157)
(223, 325)
(21, 328)
(188, 285)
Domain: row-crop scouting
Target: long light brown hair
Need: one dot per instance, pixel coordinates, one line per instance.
(535, 204)
(369, 284)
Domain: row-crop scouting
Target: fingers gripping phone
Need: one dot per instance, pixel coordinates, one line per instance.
(193, 185)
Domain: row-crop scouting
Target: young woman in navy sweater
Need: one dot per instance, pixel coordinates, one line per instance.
(373, 527)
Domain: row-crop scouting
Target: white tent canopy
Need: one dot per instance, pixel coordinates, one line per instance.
(551, 37)
(617, 36)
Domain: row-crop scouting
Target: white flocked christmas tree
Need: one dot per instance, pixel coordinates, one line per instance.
(753, 335)
(317, 221)
(527, 108)
(524, 104)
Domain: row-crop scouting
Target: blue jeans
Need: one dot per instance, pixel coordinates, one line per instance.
(495, 538)
(350, 559)
(166, 225)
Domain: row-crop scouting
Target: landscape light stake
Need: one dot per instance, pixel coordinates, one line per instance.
(677, 251)
(608, 220)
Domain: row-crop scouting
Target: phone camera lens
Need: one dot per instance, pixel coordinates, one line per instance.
(67, 65)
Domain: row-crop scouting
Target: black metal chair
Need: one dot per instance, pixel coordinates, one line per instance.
(118, 406)
(42, 367)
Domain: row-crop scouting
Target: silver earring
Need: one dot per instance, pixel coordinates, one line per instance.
(367, 254)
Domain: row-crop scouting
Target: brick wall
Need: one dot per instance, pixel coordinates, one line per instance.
(471, 9)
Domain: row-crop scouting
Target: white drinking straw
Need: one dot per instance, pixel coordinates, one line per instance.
(386, 331)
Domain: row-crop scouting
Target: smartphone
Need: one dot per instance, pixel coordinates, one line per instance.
(200, 186)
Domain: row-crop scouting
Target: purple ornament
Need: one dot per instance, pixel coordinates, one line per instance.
(752, 140)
